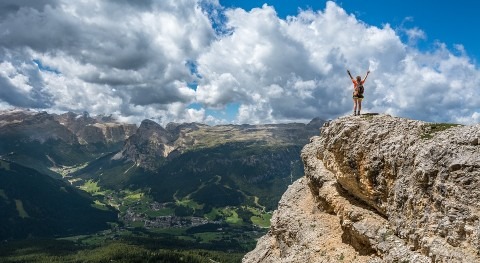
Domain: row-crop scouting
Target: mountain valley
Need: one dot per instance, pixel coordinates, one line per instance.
(185, 185)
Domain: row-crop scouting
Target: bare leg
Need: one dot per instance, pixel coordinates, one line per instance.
(359, 106)
(355, 107)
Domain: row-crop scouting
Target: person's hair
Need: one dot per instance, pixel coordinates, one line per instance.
(359, 78)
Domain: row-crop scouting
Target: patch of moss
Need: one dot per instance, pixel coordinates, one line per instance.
(368, 115)
(430, 129)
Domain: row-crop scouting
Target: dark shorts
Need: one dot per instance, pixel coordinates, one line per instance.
(360, 97)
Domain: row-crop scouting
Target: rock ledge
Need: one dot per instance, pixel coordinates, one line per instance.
(381, 189)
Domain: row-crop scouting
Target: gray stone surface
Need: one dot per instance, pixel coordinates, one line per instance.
(401, 191)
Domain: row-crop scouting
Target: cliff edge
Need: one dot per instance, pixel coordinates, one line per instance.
(381, 189)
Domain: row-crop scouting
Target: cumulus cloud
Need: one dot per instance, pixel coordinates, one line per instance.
(8, 7)
(293, 69)
(20, 85)
(154, 59)
(108, 56)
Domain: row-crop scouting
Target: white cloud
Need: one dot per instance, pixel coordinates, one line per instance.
(136, 59)
(415, 34)
(221, 90)
(112, 56)
(193, 115)
(295, 69)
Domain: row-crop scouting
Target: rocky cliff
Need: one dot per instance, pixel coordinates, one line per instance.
(381, 189)
(96, 130)
(152, 144)
(29, 126)
(69, 127)
(51, 142)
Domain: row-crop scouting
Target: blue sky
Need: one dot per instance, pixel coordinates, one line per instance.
(222, 61)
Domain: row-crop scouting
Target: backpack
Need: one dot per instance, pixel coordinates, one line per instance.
(360, 89)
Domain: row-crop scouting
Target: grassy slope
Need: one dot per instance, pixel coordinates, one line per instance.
(226, 175)
(36, 205)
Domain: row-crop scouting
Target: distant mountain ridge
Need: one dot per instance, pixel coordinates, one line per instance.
(189, 169)
(94, 130)
(33, 126)
(152, 141)
(178, 160)
(41, 140)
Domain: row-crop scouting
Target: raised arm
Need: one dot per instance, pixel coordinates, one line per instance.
(368, 72)
(348, 71)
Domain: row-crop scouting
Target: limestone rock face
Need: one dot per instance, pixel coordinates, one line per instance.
(381, 189)
(152, 144)
(30, 126)
(148, 144)
(92, 130)
(106, 133)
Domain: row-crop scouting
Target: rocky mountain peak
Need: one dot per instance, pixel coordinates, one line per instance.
(28, 125)
(149, 124)
(154, 132)
(315, 123)
(150, 143)
(381, 189)
(74, 122)
(96, 130)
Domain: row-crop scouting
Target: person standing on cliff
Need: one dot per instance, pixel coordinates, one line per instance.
(357, 92)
